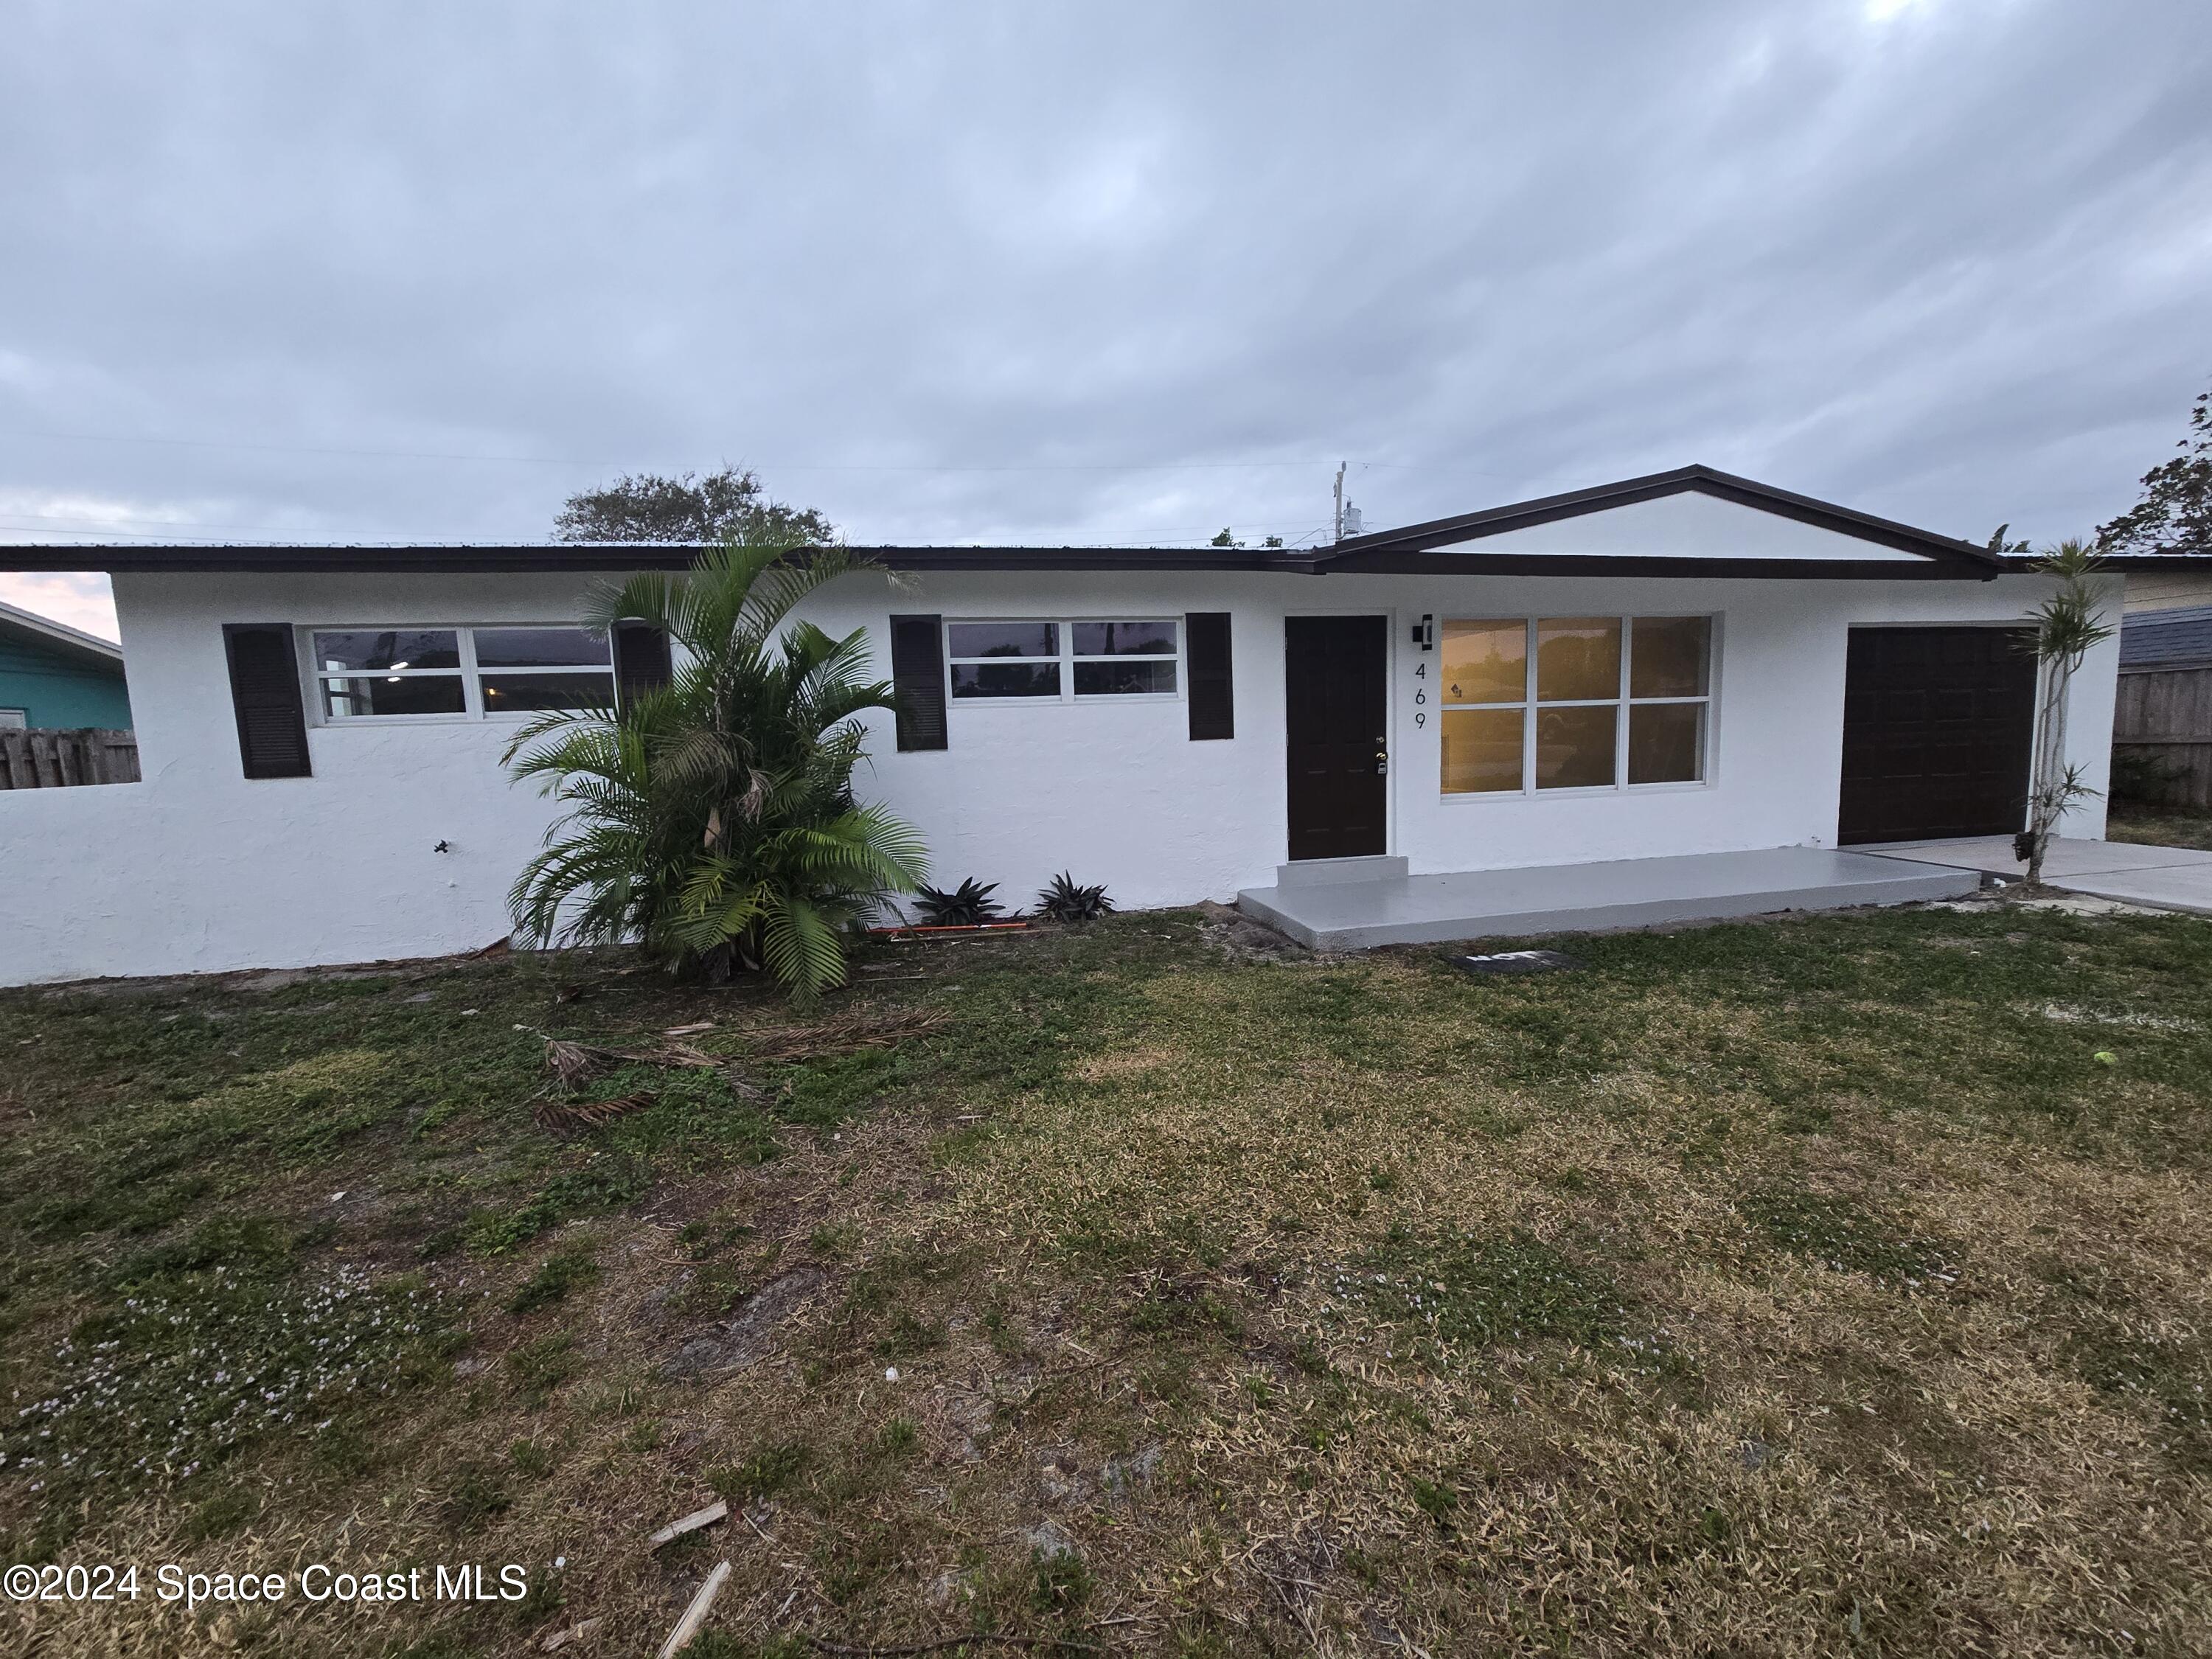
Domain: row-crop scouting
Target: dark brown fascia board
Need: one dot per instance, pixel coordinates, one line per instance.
(604, 555)
(324, 557)
(1083, 558)
(2124, 562)
(1962, 558)
(1627, 565)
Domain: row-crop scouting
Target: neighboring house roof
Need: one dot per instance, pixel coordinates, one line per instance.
(89, 649)
(2179, 638)
(1442, 545)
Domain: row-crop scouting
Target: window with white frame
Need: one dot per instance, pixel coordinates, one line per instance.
(396, 673)
(525, 670)
(1574, 702)
(1062, 661)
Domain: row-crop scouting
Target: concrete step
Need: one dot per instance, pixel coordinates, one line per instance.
(1580, 899)
(1328, 872)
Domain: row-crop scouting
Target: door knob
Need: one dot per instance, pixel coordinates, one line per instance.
(1381, 762)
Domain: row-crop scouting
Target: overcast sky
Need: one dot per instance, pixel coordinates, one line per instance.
(1103, 273)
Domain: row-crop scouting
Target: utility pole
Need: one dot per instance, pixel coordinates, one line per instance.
(1339, 501)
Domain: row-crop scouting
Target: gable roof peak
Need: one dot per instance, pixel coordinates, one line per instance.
(1697, 477)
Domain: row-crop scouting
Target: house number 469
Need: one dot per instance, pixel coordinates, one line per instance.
(1421, 694)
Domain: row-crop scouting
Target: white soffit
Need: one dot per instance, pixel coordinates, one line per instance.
(1684, 525)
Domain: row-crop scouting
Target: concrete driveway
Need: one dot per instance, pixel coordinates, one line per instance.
(2171, 877)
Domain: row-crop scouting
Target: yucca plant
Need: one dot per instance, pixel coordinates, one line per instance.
(2068, 624)
(713, 820)
(968, 905)
(1063, 900)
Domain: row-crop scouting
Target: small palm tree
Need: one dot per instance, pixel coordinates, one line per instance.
(713, 820)
(2067, 625)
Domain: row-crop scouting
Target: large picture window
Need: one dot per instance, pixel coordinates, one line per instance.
(1574, 702)
(1063, 660)
(385, 673)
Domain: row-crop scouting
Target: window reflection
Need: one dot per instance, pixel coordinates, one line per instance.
(395, 647)
(1574, 746)
(1667, 743)
(1578, 658)
(1669, 656)
(1485, 661)
(1482, 749)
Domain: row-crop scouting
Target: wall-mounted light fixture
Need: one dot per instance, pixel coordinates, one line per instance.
(1425, 633)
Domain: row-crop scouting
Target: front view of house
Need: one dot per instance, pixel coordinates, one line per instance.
(1679, 665)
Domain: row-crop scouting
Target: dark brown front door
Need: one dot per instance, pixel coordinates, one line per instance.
(1937, 723)
(1335, 700)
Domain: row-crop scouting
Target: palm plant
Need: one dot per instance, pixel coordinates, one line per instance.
(712, 820)
(2067, 625)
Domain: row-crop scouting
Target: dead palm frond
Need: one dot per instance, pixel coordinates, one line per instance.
(847, 1035)
(573, 1064)
(574, 1117)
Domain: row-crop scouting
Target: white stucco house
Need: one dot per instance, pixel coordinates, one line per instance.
(1682, 664)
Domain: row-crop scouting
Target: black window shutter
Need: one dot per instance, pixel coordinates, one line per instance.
(918, 679)
(1205, 655)
(641, 660)
(264, 688)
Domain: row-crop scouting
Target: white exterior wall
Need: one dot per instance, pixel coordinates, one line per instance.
(196, 869)
(1120, 794)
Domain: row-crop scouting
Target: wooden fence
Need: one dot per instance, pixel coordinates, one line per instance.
(53, 759)
(2164, 720)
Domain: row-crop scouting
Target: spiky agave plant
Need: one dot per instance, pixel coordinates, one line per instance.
(713, 820)
(968, 905)
(1066, 901)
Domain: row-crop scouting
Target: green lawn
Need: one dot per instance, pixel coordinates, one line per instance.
(1831, 1286)
(2159, 829)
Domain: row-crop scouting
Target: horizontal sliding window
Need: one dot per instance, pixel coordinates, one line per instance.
(1061, 660)
(528, 670)
(1123, 658)
(1004, 660)
(1573, 702)
(367, 673)
(416, 671)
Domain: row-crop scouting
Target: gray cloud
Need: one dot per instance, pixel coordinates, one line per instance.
(1127, 273)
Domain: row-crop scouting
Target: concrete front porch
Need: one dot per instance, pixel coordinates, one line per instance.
(1349, 909)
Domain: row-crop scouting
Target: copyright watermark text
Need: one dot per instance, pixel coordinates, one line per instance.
(107, 1582)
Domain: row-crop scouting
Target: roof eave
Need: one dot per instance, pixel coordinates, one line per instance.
(2124, 562)
(1618, 565)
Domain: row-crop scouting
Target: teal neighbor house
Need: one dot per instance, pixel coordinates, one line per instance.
(51, 674)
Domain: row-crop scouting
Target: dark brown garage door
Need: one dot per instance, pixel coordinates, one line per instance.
(1936, 726)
